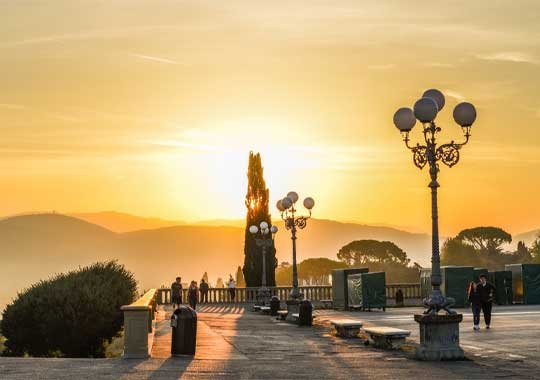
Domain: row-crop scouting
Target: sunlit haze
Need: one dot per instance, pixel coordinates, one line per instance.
(151, 107)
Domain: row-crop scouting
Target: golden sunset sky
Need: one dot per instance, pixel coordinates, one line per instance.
(151, 107)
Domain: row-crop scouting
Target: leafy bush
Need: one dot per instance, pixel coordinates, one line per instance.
(70, 315)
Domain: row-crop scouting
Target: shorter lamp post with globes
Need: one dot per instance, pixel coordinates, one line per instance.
(265, 241)
(293, 222)
(439, 334)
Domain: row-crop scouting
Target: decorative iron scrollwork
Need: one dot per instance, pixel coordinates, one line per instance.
(420, 156)
(448, 154)
(301, 222)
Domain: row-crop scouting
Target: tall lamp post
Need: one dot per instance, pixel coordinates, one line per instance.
(439, 333)
(264, 237)
(287, 207)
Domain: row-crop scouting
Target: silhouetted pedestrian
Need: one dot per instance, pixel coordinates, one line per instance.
(232, 288)
(176, 292)
(487, 291)
(476, 304)
(399, 298)
(193, 295)
(204, 291)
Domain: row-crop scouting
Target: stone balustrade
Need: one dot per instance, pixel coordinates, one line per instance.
(138, 325)
(410, 290)
(313, 293)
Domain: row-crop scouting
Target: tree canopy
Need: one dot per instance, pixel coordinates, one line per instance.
(365, 252)
(314, 271)
(488, 239)
(380, 256)
(455, 252)
(483, 247)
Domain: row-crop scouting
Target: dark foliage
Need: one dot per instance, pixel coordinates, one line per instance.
(483, 247)
(257, 211)
(310, 272)
(380, 256)
(366, 252)
(70, 315)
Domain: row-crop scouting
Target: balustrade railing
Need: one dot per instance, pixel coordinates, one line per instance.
(410, 290)
(313, 293)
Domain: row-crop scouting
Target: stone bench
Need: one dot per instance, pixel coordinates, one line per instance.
(387, 337)
(347, 328)
(265, 309)
(282, 314)
(256, 308)
(326, 304)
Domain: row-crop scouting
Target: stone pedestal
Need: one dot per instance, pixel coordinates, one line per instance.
(292, 308)
(263, 296)
(439, 337)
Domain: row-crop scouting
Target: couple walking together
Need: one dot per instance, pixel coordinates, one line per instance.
(481, 298)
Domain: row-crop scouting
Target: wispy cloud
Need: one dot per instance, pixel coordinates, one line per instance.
(87, 35)
(440, 65)
(155, 59)
(12, 106)
(387, 66)
(186, 145)
(516, 57)
(454, 94)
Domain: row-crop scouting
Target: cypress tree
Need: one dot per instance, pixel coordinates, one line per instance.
(240, 282)
(257, 198)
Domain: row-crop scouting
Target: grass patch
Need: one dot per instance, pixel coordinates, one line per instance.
(116, 347)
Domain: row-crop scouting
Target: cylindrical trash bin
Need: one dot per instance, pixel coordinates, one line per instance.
(305, 311)
(184, 331)
(274, 305)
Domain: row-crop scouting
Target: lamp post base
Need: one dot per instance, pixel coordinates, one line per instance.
(263, 296)
(439, 337)
(296, 295)
(292, 308)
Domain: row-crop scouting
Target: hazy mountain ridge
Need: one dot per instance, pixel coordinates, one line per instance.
(34, 247)
(123, 222)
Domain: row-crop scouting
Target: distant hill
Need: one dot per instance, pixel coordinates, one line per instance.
(33, 247)
(221, 222)
(324, 238)
(122, 222)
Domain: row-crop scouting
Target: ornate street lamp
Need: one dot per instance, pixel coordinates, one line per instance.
(287, 207)
(439, 334)
(264, 237)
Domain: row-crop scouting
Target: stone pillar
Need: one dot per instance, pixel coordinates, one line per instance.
(137, 326)
(439, 337)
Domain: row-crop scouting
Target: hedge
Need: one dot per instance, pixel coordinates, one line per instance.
(70, 315)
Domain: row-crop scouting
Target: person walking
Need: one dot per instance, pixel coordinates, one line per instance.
(486, 291)
(204, 291)
(176, 292)
(193, 295)
(476, 304)
(232, 288)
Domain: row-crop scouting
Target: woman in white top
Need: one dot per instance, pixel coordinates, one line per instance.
(232, 288)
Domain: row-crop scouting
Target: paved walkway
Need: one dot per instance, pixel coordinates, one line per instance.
(233, 343)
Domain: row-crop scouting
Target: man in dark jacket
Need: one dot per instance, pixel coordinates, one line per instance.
(486, 290)
(176, 292)
(203, 288)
